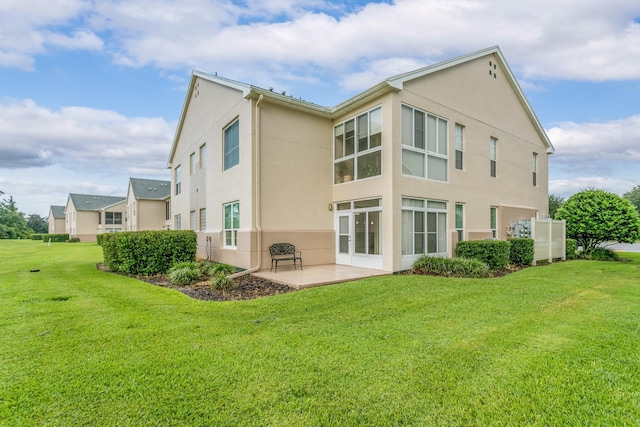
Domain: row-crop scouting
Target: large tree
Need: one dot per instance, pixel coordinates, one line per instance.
(38, 224)
(596, 216)
(554, 203)
(12, 222)
(634, 197)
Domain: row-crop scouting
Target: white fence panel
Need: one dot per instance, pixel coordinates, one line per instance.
(550, 239)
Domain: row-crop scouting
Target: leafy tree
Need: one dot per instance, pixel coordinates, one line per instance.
(634, 197)
(596, 216)
(12, 222)
(554, 203)
(38, 224)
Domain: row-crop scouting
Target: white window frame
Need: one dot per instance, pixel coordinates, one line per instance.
(177, 222)
(534, 168)
(493, 221)
(177, 175)
(459, 155)
(192, 220)
(413, 208)
(425, 142)
(193, 163)
(493, 157)
(203, 219)
(356, 140)
(459, 220)
(112, 218)
(203, 156)
(231, 153)
(229, 226)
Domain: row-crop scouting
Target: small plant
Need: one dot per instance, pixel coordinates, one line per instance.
(602, 254)
(222, 268)
(184, 273)
(221, 282)
(205, 266)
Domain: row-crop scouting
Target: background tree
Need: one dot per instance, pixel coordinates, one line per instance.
(38, 224)
(597, 216)
(634, 197)
(12, 222)
(554, 203)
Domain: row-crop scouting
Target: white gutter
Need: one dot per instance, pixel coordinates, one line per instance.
(257, 197)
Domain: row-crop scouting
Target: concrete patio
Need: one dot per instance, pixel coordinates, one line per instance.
(317, 275)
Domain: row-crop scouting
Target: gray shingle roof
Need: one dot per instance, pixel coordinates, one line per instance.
(90, 202)
(57, 211)
(150, 189)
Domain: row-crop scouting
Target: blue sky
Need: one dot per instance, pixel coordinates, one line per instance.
(90, 91)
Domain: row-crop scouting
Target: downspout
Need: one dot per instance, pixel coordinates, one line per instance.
(257, 195)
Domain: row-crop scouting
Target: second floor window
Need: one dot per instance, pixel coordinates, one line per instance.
(459, 146)
(203, 156)
(178, 179)
(493, 147)
(232, 145)
(424, 144)
(358, 147)
(113, 217)
(534, 168)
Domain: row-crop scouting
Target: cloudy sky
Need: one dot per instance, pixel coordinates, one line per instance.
(91, 90)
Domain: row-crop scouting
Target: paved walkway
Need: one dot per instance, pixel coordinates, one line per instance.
(624, 247)
(317, 275)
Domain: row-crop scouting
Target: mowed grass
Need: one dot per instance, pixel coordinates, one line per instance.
(551, 345)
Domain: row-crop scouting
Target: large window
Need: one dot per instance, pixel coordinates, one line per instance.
(424, 227)
(231, 224)
(493, 147)
(424, 144)
(113, 217)
(232, 145)
(358, 147)
(178, 179)
(368, 227)
(177, 222)
(167, 210)
(459, 146)
(534, 168)
(460, 221)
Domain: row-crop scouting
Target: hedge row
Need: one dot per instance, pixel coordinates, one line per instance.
(36, 236)
(572, 248)
(147, 252)
(493, 252)
(54, 237)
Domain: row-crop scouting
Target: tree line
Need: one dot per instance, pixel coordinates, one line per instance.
(16, 225)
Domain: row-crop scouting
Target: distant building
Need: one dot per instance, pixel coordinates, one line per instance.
(148, 204)
(56, 220)
(89, 215)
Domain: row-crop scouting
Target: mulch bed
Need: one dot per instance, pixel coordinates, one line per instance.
(244, 288)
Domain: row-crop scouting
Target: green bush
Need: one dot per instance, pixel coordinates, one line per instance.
(184, 273)
(572, 248)
(221, 282)
(521, 251)
(602, 254)
(493, 252)
(209, 268)
(55, 237)
(73, 240)
(453, 267)
(148, 252)
(36, 236)
(99, 238)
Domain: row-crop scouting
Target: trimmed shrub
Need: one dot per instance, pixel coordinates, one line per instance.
(572, 248)
(184, 273)
(73, 240)
(493, 252)
(221, 282)
(453, 267)
(148, 252)
(521, 251)
(99, 238)
(36, 236)
(55, 237)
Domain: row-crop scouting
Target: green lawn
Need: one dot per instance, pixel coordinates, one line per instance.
(551, 345)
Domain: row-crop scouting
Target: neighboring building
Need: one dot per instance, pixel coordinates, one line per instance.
(410, 166)
(88, 215)
(56, 220)
(148, 204)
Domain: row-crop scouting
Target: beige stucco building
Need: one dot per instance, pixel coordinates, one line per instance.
(56, 220)
(148, 204)
(410, 166)
(88, 215)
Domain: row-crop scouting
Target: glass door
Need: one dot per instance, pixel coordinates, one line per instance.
(343, 245)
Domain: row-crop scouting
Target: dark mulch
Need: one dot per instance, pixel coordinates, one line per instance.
(244, 287)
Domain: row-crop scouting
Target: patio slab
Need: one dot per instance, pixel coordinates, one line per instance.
(317, 275)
